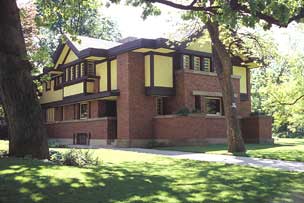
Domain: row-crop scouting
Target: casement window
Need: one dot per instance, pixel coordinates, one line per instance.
(77, 71)
(48, 85)
(84, 110)
(206, 65)
(186, 61)
(160, 105)
(197, 103)
(72, 73)
(196, 63)
(82, 69)
(58, 80)
(91, 68)
(81, 139)
(213, 106)
(67, 74)
(50, 115)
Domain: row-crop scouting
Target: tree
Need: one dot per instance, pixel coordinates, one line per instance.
(217, 15)
(17, 91)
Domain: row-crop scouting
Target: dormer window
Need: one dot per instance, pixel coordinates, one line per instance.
(186, 61)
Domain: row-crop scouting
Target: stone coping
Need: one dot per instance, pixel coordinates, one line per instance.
(213, 74)
(189, 115)
(82, 120)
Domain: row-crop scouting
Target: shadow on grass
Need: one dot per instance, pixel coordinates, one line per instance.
(165, 180)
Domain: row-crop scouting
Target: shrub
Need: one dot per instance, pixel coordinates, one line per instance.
(74, 157)
(183, 111)
(53, 144)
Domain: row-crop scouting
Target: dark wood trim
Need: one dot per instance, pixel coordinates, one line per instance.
(109, 75)
(191, 62)
(66, 56)
(159, 91)
(195, 53)
(81, 97)
(85, 87)
(159, 53)
(151, 70)
(89, 109)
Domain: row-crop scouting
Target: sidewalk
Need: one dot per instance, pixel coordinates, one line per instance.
(246, 161)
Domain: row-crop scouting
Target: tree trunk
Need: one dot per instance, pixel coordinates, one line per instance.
(224, 71)
(17, 90)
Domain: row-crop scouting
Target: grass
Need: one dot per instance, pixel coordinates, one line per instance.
(135, 177)
(288, 149)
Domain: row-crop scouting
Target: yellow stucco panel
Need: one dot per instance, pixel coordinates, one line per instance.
(62, 56)
(160, 50)
(73, 89)
(147, 71)
(90, 87)
(202, 44)
(101, 70)
(241, 71)
(50, 95)
(163, 71)
(71, 57)
(114, 75)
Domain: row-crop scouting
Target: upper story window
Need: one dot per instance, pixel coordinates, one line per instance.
(48, 85)
(77, 75)
(91, 68)
(198, 63)
(213, 106)
(67, 78)
(82, 71)
(58, 80)
(186, 61)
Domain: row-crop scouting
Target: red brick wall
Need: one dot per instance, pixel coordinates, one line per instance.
(94, 109)
(135, 110)
(257, 129)
(187, 81)
(97, 128)
(68, 112)
(187, 128)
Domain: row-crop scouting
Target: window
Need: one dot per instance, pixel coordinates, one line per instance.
(72, 73)
(160, 105)
(77, 71)
(48, 85)
(67, 74)
(196, 63)
(213, 106)
(186, 61)
(84, 111)
(50, 114)
(58, 80)
(197, 103)
(206, 65)
(91, 68)
(82, 139)
(82, 71)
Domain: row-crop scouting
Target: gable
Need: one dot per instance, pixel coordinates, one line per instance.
(67, 55)
(71, 57)
(202, 44)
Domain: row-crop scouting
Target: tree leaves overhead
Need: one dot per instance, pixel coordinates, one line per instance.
(76, 17)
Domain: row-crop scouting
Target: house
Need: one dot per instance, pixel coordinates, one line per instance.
(133, 92)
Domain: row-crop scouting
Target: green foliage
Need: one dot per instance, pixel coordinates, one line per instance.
(183, 112)
(75, 157)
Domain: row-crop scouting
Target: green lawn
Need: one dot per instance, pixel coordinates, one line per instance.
(135, 177)
(284, 149)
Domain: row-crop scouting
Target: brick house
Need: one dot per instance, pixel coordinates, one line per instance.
(133, 92)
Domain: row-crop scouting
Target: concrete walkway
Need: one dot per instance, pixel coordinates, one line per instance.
(246, 161)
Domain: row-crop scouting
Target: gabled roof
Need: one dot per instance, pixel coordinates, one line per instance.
(86, 46)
